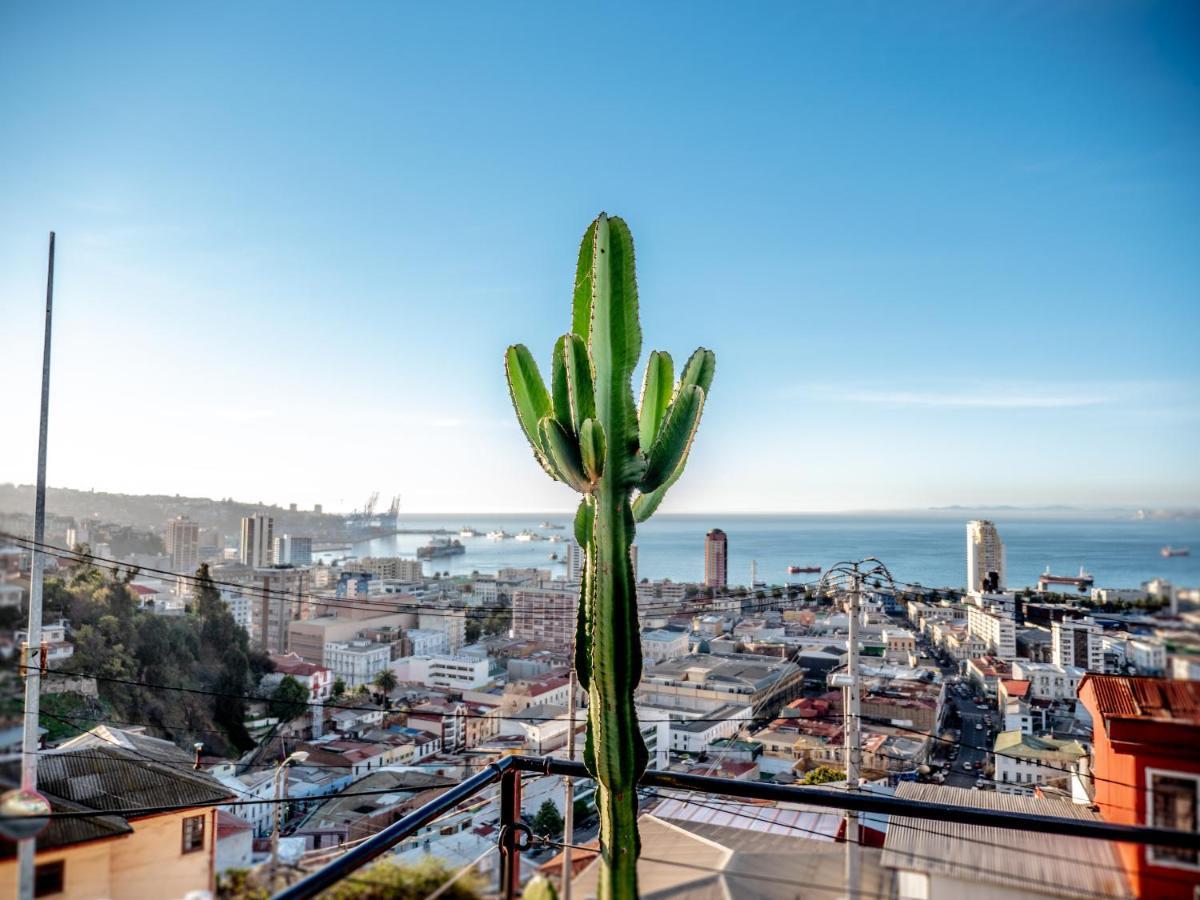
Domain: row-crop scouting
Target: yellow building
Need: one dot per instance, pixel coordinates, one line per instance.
(114, 852)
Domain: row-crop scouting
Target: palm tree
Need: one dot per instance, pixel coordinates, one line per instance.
(385, 680)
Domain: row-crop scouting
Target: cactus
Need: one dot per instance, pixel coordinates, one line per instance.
(586, 432)
(539, 888)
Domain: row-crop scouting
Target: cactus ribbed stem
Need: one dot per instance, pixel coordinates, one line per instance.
(587, 433)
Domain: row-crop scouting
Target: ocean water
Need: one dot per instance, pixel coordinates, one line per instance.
(929, 550)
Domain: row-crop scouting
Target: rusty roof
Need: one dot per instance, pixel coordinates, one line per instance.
(1163, 699)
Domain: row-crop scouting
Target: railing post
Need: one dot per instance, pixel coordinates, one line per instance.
(510, 834)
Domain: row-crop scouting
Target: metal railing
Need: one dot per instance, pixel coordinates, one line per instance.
(508, 771)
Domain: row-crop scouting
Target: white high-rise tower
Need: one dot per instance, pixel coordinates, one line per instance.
(985, 557)
(258, 534)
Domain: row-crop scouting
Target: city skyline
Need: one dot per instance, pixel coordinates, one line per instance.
(294, 283)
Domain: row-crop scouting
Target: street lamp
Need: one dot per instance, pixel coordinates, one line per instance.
(280, 796)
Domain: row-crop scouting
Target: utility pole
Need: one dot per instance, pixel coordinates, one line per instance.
(569, 792)
(852, 708)
(31, 652)
(847, 578)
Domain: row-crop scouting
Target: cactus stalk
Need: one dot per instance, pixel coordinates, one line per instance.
(586, 432)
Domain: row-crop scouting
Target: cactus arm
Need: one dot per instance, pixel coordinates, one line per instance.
(591, 449)
(583, 632)
(563, 452)
(674, 439)
(578, 370)
(699, 370)
(581, 301)
(560, 392)
(656, 396)
(530, 400)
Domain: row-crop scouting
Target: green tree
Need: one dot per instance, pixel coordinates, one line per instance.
(289, 699)
(339, 689)
(474, 630)
(823, 775)
(385, 680)
(389, 880)
(548, 820)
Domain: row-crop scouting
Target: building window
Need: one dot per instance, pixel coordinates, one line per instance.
(193, 834)
(1174, 798)
(48, 878)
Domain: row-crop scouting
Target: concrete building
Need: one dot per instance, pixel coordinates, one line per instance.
(182, 540)
(393, 567)
(574, 557)
(545, 614)
(659, 644)
(702, 682)
(427, 641)
(292, 550)
(357, 662)
(695, 735)
(716, 559)
(258, 541)
(1048, 681)
(462, 673)
(985, 557)
(308, 639)
(1023, 761)
(1077, 642)
(995, 630)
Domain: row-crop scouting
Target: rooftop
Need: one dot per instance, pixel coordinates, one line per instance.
(1159, 699)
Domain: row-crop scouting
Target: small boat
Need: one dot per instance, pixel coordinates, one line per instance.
(555, 539)
(528, 536)
(468, 532)
(552, 525)
(498, 535)
(798, 570)
(1169, 551)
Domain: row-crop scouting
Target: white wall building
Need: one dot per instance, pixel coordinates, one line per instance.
(985, 554)
(694, 735)
(357, 662)
(1048, 681)
(291, 550)
(661, 643)
(428, 642)
(1077, 642)
(574, 557)
(464, 673)
(997, 631)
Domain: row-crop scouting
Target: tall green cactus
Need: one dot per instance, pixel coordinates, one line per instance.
(586, 431)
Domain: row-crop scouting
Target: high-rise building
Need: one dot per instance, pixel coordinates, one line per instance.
(1077, 642)
(716, 550)
(77, 536)
(258, 537)
(985, 557)
(183, 545)
(547, 615)
(574, 558)
(291, 550)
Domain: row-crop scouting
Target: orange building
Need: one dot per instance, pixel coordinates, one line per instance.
(1146, 771)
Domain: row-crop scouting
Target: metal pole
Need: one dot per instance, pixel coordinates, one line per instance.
(27, 849)
(853, 737)
(279, 781)
(510, 817)
(569, 794)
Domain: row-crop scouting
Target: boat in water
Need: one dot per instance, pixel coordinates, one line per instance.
(498, 535)
(468, 532)
(555, 538)
(552, 525)
(439, 548)
(801, 570)
(1169, 551)
(529, 536)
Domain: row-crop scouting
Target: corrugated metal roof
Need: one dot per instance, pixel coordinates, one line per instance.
(64, 832)
(1057, 865)
(111, 779)
(1146, 698)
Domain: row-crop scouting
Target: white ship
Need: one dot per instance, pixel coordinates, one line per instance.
(498, 535)
(468, 531)
(529, 536)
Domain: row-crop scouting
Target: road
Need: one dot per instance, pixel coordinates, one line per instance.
(973, 743)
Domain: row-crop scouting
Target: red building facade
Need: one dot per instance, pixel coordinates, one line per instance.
(1146, 771)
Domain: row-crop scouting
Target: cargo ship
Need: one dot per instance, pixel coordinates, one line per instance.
(803, 570)
(1169, 551)
(436, 549)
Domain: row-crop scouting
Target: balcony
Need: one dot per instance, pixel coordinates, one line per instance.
(1075, 852)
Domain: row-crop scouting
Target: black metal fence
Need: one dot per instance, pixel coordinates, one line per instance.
(509, 770)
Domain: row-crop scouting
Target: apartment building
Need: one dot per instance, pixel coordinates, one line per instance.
(1077, 642)
(182, 540)
(995, 630)
(985, 557)
(545, 614)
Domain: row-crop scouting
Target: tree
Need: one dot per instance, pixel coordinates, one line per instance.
(289, 699)
(823, 775)
(390, 880)
(385, 680)
(339, 688)
(473, 630)
(548, 820)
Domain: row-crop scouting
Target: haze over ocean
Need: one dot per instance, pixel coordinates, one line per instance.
(930, 550)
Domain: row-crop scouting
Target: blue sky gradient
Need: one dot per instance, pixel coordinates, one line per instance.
(946, 253)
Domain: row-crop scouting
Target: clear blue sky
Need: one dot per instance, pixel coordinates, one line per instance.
(946, 253)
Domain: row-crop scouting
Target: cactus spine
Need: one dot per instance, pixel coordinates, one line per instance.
(586, 432)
